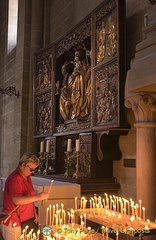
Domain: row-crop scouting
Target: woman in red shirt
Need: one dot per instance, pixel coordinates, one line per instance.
(19, 192)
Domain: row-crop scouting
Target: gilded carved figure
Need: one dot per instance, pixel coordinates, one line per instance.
(65, 96)
(78, 98)
(76, 91)
(43, 78)
(106, 39)
(101, 43)
(106, 104)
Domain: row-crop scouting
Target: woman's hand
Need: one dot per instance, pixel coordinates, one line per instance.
(43, 196)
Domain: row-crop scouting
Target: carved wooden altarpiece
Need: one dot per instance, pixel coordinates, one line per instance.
(79, 89)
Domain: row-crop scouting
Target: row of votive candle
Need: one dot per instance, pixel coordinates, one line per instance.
(31, 235)
(47, 146)
(64, 221)
(115, 203)
(58, 216)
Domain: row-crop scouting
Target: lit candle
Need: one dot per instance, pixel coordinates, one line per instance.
(84, 203)
(82, 224)
(48, 146)
(73, 225)
(82, 200)
(136, 211)
(139, 219)
(103, 232)
(124, 203)
(31, 233)
(68, 217)
(23, 232)
(57, 207)
(117, 235)
(106, 233)
(148, 221)
(62, 207)
(77, 145)
(117, 204)
(119, 218)
(143, 213)
(84, 219)
(50, 215)
(56, 224)
(41, 146)
(53, 214)
(64, 216)
(90, 204)
(60, 222)
(114, 207)
(47, 213)
(103, 200)
(38, 234)
(69, 145)
(146, 227)
(22, 237)
(14, 225)
(121, 207)
(75, 203)
(132, 207)
(110, 197)
(107, 202)
(140, 202)
(128, 207)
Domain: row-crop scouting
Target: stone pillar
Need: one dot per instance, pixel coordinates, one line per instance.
(144, 106)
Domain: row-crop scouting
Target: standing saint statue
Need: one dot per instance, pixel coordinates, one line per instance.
(79, 86)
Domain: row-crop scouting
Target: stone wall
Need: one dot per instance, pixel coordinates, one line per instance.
(67, 14)
(7, 104)
(16, 116)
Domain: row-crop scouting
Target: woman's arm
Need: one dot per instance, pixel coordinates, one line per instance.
(29, 199)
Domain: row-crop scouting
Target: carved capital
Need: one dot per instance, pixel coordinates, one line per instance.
(144, 106)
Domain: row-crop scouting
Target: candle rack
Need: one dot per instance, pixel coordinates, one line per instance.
(115, 214)
(72, 223)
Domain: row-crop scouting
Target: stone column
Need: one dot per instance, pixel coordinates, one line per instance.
(144, 106)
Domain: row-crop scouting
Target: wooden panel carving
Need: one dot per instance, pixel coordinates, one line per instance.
(107, 101)
(106, 9)
(42, 92)
(86, 154)
(52, 163)
(43, 69)
(79, 90)
(106, 33)
(43, 113)
(73, 88)
(74, 38)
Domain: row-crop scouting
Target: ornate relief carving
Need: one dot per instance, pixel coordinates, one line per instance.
(43, 113)
(74, 95)
(107, 8)
(77, 36)
(86, 138)
(85, 153)
(107, 94)
(106, 37)
(144, 106)
(43, 75)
